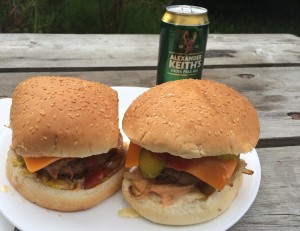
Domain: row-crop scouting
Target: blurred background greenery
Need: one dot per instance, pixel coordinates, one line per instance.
(143, 16)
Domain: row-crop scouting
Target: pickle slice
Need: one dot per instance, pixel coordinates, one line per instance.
(228, 157)
(150, 165)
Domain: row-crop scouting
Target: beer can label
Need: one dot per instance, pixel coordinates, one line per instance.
(181, 52)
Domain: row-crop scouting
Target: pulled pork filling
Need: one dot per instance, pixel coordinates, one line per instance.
(171, 184)
(81, 173)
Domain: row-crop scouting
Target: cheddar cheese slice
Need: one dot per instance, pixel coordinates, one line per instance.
(133, 155)
(214, 171)
(34, 164)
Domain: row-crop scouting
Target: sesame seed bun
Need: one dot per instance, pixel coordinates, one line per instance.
(63, 117)
(67, 118)
(57, 199)
(187, 209)
(192, 119)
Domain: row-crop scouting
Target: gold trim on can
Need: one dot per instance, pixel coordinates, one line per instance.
(185, 15)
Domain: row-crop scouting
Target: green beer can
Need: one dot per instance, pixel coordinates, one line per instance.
(182, 45)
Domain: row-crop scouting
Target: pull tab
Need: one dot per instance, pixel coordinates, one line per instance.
(185, 9)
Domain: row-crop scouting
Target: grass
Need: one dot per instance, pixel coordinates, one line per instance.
(143, 16)
(257, 17)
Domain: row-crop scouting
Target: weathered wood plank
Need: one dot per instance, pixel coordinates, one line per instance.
(260, 49)
(38, 52)
(277, 205)
(8, 81)
(273, 91)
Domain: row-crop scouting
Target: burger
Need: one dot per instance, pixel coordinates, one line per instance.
(186, 137)
(66, 152)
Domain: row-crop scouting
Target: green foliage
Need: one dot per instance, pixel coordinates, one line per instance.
(32, 16)
(80, 16)
(143, 16)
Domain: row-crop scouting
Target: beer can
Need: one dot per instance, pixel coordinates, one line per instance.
(182, 45)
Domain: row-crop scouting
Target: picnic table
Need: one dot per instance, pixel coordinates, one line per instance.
(263, 67)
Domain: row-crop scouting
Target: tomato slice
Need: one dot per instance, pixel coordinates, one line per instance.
(95, 177)
(176, 162)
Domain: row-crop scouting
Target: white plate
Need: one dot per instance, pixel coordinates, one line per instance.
(29, 217)
(4, 115)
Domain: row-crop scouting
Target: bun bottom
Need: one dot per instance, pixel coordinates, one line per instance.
(57, 199)
(187, 209)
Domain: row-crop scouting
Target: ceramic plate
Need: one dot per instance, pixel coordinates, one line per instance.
(29, 217)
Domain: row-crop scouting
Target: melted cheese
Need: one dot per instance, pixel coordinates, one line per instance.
(34, 164)
(133, 155)
(128, 213)
(212, 170)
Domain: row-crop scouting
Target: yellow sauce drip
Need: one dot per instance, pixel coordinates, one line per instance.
(4, 188)
(128, 213)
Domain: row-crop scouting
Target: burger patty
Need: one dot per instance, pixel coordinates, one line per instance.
(172, 176)
(84, 173)
(170, 183)
(75, 167)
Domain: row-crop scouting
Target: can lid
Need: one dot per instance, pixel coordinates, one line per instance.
(185, 15)
(186, 10)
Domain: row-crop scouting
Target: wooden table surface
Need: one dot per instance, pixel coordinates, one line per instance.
(263, 67)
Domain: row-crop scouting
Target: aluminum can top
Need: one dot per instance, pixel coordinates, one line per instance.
(185, 15)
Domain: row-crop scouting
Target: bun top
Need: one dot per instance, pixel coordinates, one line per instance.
(192, 119)
(63, 117)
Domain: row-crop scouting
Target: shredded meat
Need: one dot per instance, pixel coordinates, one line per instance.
(55, 168)
(88, 171)
(71, 167)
